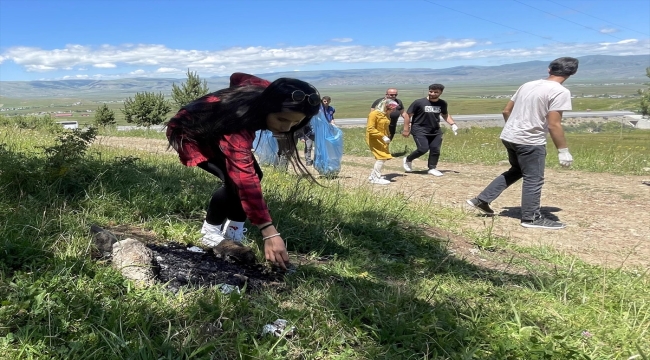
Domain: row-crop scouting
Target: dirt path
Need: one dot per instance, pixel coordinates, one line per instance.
(607, 216)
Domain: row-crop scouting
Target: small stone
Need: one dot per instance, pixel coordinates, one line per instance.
(103, 241)
(134, 260)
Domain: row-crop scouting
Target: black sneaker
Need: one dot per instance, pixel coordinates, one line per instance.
(542, 223)
(481, 205)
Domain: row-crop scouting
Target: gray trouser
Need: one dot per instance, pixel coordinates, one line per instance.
(309, 144)
(527, 162)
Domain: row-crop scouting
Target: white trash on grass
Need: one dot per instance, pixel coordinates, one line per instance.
(278, 327)
(227, 289)
(195, 249)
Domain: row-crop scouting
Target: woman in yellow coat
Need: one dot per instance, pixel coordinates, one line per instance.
(377, 138)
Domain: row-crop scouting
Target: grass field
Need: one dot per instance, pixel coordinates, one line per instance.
(353, 102)
(610, 151)
(388, 291)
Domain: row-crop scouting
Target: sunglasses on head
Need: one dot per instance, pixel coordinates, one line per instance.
(299, 95)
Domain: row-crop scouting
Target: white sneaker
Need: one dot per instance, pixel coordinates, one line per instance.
(381, 177)
(212, 235)
(434, 172)
(379, 181)
(235, 230)
(407, 165)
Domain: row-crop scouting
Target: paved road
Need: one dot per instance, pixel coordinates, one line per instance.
(362, 121)
(459, 118)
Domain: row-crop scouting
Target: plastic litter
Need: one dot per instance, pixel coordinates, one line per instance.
(195, 249)
(227, 289)
(278, 327)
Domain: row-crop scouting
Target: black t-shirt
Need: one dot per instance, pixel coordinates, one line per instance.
(426, 116)
(395, 114)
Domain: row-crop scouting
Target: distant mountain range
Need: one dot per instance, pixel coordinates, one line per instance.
(593, 68)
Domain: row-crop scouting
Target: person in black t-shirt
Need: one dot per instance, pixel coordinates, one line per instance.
(391, 94)
(425, 114)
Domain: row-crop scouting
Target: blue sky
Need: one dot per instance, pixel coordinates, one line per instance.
(109, 39)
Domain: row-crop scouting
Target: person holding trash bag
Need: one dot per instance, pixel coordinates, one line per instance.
(378, 138)
(216, 133)
(328, 146)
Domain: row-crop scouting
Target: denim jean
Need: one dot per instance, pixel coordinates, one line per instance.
(527, 162)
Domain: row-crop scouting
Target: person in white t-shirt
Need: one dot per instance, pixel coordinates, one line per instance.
(532, 112)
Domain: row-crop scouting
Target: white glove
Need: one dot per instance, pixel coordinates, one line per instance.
(565, 157)
(454, 128)
(386, 139)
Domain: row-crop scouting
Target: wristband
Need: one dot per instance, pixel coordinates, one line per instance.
(265, 226)
(270, 236)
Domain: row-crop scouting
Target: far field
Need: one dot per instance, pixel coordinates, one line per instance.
(355, 101)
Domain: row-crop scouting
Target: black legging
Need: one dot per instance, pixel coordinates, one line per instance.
(225, 202)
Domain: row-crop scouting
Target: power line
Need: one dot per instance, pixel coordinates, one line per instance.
(494, 22)
(578, 11)
(567, 20)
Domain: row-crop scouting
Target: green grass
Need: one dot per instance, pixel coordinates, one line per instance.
(388, 292)
(612, 150)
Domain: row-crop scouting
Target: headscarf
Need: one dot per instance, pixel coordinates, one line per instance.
(385, 103)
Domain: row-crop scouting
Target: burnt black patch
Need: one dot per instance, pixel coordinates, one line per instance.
(178, 267)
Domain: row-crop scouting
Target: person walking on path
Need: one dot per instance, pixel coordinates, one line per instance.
(377, 138)
(395, 114)
(216, 133)
(328, 109)
(532, 112)
(424, 125)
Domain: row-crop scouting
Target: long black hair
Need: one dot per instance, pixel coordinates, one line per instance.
(231, 110)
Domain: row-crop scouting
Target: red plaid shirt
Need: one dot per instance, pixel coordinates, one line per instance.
(239, 166)
(238, 155)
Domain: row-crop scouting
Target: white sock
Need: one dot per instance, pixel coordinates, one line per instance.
(235, 224)
(376, 170)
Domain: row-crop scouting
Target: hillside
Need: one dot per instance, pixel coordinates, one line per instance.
(594, 68)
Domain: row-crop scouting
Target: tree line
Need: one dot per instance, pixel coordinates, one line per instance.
(148, 108)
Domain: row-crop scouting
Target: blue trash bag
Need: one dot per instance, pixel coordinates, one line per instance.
(328, 146)
(265, 147)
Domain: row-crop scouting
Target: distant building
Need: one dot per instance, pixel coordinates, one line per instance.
(69, 124)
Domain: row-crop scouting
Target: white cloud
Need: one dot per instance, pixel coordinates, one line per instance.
(167, 70)
(105, 65)
(342, 40)
(78, 76)
(608, 30)
(622, 42)
(152, 59)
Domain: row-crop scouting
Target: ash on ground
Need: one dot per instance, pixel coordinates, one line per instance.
(179, 267)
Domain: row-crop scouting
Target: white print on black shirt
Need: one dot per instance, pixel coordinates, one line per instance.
(433, 109)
